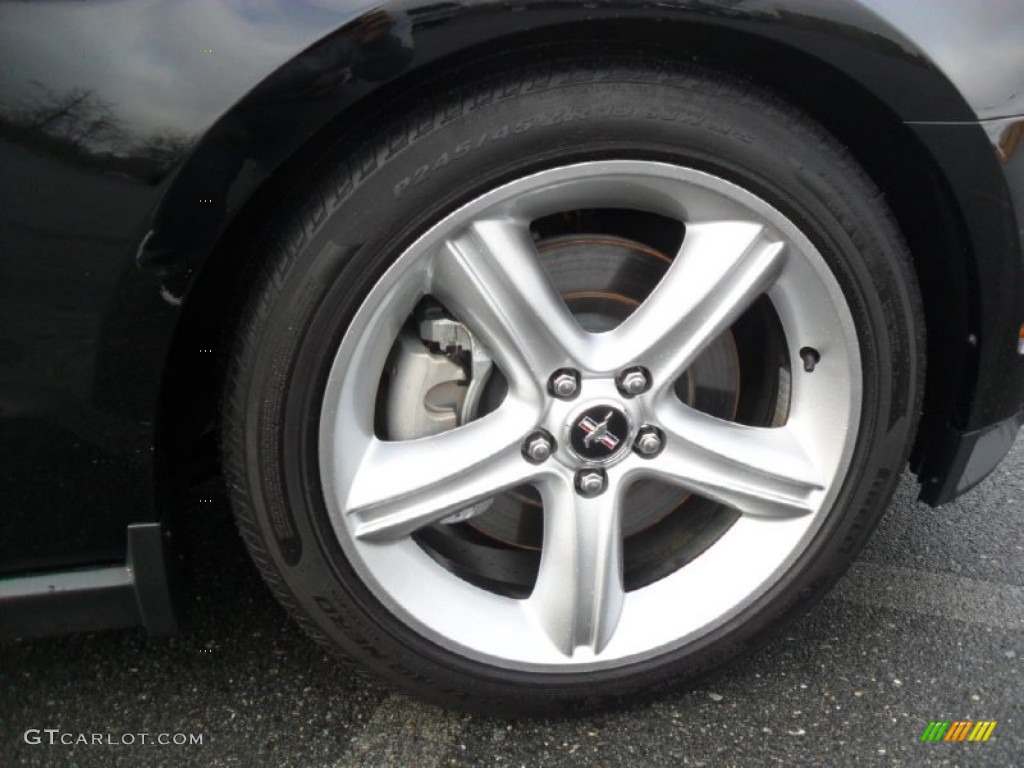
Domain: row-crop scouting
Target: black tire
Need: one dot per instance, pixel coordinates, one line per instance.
(364, 203)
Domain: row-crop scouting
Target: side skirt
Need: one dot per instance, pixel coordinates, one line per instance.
(141, 591)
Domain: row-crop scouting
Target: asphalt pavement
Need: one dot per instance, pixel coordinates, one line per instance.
(926, 626)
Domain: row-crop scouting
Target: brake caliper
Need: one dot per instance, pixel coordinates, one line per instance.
(437, 380)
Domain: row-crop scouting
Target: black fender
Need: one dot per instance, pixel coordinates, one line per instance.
(376, 50)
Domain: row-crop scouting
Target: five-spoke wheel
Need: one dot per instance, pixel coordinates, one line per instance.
(597, 395)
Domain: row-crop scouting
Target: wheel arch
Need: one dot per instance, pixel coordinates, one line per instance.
(210, 269)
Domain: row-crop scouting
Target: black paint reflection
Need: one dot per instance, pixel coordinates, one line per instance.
(82, 129)
(273, 117)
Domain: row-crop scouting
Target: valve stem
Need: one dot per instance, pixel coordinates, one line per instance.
(811, 358)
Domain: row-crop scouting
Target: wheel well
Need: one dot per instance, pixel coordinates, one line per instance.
(912, 185)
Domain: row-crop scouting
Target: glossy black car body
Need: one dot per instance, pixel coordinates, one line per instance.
(139, 143)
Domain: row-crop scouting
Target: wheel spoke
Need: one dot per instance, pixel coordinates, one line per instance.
(403, 486)
(720, 270)
(491, 277)
(579, 595)
(756, 470)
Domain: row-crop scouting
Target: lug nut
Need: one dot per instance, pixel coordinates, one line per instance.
(649, 442)
(538, 447)
(633, 381)
(564, 384)
(591, 482)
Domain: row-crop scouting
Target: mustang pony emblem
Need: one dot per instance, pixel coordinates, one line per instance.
(597, 432)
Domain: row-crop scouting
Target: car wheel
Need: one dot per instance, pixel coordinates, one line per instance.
(563, 388)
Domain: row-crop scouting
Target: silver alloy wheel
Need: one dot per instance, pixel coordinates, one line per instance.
(481, 262)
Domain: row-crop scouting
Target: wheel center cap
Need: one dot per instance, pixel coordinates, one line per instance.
(599, 433)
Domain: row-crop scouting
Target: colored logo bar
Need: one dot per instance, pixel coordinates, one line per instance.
(958, 730)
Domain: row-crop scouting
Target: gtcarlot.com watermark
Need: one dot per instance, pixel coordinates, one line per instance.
(56, 736)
